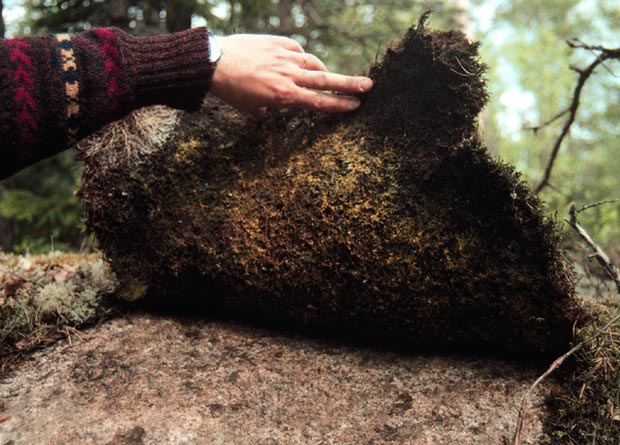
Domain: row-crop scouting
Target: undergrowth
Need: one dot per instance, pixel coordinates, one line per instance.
(586, 407)
(47, 297)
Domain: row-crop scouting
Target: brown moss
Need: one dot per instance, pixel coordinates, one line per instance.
(586, 408)
(392, 221)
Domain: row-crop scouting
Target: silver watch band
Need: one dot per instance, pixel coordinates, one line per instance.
(215, 50)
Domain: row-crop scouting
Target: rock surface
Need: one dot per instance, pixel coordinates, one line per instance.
(148, 379)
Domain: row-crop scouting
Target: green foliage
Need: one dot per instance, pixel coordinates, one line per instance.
(39, 207)
(347, 35)
(135, 16)
(52, 16)
(531, 81)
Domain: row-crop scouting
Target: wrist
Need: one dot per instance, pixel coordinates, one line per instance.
(220, 81)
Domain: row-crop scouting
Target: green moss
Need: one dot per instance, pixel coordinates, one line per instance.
(392, 221)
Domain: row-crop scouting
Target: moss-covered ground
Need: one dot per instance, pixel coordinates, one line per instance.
(44, 298)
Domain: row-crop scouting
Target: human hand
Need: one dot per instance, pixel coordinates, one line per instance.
(260, 71)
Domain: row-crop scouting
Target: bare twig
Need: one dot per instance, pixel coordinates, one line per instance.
(613, 273)
(578, 43)
(537, 128)
(596, 204)
(594, 49)
(598, 253)
(602, 54)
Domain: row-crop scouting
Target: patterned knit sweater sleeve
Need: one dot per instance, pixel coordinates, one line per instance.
(57, 89)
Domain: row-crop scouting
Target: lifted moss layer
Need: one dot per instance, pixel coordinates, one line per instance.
(392, 221)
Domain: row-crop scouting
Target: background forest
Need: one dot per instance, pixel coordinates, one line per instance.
(523, 43)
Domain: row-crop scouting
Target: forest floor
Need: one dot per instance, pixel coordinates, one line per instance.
(79, 367)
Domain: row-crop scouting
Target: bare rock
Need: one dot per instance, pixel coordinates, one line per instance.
(143, 379)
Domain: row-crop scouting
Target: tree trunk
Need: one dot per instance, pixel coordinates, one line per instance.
(2, 28)
(117, 10)
(285, 14)
(179, 16)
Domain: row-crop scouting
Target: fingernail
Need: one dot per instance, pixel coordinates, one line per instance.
(353, 103)
(365, 84)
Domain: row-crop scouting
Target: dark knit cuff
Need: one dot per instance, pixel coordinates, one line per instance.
(171, 70)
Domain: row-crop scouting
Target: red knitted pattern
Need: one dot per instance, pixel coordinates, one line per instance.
(112, 64)
(25, 117)
(55, 90)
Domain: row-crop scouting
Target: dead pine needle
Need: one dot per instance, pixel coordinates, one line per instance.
(614, 274)
(517, 439)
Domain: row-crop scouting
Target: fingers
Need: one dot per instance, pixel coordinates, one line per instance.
(312, 63)
(331, 103)
(290, 44)
(325, 81)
